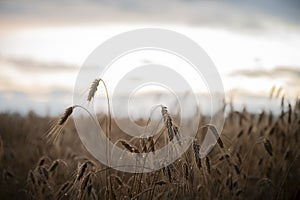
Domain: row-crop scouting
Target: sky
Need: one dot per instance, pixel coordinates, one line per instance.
(253, 44)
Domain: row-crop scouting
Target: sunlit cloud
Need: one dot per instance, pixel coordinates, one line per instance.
(288, 76)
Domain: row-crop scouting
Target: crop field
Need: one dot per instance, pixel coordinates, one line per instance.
(149, 100)
(256, 157)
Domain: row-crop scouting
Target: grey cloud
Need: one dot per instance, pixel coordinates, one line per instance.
(277, 72)
(30, 66)
(240, 15)
(24, 75)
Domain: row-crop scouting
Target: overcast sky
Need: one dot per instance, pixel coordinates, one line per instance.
(251, 42)
(247, 14)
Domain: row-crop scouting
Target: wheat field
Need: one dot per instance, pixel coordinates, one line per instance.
(256, 157)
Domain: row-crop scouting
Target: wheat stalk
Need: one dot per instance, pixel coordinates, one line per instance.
(168, 121)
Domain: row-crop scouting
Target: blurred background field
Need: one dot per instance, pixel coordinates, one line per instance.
(258, 159)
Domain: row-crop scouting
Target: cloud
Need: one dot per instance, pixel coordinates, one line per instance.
(277, 72)
(247, 14)
(33, 76)
(289, 75)
(27, 65)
